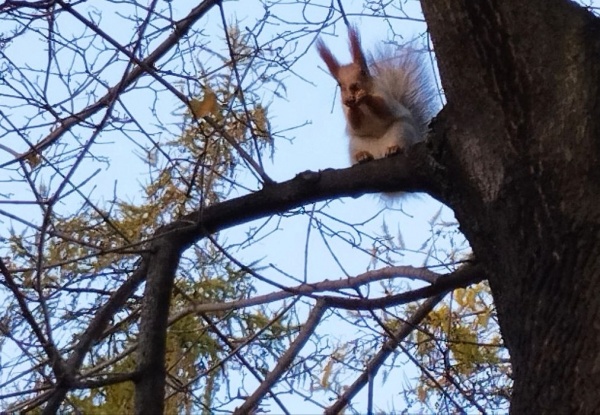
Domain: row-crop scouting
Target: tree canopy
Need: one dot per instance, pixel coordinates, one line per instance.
(181, 232)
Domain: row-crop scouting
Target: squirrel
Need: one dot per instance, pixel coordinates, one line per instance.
(388, 102)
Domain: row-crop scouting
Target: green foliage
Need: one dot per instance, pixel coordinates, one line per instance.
(70, 267)
(88, 251)
(459, 346)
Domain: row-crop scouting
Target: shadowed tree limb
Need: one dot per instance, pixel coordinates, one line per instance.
(159, 266)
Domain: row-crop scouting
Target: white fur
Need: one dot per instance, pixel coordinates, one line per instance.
(403, 82)
(376, 139)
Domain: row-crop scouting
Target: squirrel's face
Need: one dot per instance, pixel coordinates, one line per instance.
(355, 84)
(354, 79)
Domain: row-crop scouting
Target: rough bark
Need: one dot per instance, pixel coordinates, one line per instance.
(516, 154)
(152, 343)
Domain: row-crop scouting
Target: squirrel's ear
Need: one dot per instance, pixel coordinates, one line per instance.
(357, 53)
(332, 63)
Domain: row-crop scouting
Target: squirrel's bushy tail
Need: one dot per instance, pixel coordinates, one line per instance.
(403, 73)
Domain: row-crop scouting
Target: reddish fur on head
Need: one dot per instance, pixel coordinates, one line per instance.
(354, 79)
(332, 63)
(357, 54)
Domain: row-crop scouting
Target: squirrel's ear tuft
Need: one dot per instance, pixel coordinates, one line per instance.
(332, 63)
(357, 53)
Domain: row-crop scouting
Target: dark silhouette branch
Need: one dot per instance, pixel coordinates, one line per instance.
(402, 172)
(55, 359)
(152, 342)
(142, 66)
(463, 277)
(235, 351)
(406, 172)
(94, 330)
(284, 361)
(312, 288)
(386, 350)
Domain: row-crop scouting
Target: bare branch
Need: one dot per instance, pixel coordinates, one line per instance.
(249, 406)
(463, 277)
(386, 350)
(143, 66)
(304, 289)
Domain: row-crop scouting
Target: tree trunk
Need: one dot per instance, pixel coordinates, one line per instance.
(519, 142)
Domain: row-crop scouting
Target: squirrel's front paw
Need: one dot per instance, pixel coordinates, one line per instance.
(360, 96)
(392, 150)
(363, 156)
(351, 102)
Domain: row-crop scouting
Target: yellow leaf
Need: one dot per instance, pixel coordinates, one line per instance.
(421, 393)
(471, 298)
(208, 105)
(483, 319)
(326, 374)
(459, 295)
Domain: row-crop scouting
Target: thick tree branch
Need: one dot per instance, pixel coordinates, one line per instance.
(150, 385)
(409, 172)
(405, 172)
